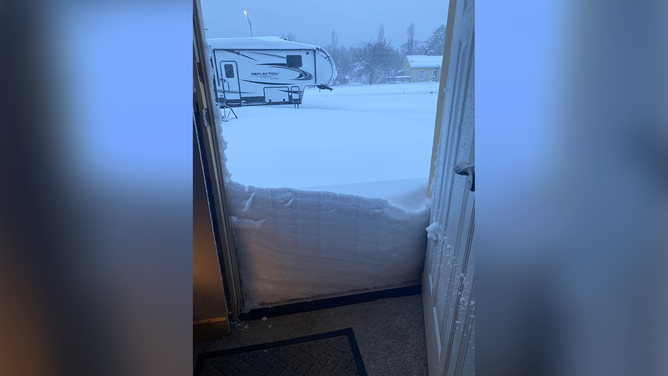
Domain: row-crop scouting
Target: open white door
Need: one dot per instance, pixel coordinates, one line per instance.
(449, 273)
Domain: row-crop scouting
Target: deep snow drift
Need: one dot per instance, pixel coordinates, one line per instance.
(362, 153)
(296, 244)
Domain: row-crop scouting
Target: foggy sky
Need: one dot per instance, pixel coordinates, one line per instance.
(313, 21)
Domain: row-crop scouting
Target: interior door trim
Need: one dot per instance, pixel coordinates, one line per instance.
(205, 110)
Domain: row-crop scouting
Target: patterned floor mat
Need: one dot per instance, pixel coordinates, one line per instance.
(327, 354)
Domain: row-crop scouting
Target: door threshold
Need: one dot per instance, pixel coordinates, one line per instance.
(336, 300)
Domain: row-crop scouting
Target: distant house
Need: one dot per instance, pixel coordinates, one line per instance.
(342, 80)
(422, 68)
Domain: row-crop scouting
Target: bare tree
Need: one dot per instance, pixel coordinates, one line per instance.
(345, 60)
(410, 42)
(375, 61)
(333, 49)
(381, 33)
(290, 36)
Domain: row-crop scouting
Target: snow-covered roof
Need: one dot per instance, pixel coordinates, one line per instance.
(423, 61)
(257, 43)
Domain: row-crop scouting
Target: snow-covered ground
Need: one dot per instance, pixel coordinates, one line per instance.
(354, 134)
(331, 197)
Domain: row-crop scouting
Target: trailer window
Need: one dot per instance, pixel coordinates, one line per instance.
(229, 71)
(293, 61)
(421, 75)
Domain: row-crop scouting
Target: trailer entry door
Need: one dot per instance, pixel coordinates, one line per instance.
(230, 78)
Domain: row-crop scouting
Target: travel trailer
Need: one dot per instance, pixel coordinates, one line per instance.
(267, 70)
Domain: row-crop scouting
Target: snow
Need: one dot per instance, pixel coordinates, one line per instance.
(257, 43)
(432, 231)
(353, 134)
(424, 61)
(406, 193)
(298, 244)
(330, 197)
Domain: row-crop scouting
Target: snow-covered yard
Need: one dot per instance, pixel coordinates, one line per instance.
(354, 134)
(331, 197)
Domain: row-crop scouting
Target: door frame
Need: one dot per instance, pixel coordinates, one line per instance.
(210, 151)
(205, 112)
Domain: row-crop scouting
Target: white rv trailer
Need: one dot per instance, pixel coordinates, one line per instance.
(267, 70)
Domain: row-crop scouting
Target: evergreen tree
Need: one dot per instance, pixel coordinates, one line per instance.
(436, 42)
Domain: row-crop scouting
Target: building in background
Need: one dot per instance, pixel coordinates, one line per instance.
(422, 68)
(342, 80)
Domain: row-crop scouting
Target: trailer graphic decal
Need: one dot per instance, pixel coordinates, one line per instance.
(240, 54)
(266, 83)
(303, 75)
(272, 55)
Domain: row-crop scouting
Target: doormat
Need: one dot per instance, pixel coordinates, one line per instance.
(327, 354)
